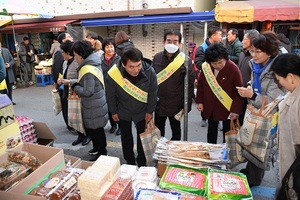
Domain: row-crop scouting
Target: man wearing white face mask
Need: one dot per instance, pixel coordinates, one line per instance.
(170, 70)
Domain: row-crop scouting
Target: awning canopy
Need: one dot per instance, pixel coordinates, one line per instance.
(56, 26)
(257, 10)
(149, 19)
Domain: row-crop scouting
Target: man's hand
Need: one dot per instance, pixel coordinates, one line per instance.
(115, 117)
(233, 116)
(7, 65)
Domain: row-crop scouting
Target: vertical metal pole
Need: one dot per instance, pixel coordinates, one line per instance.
(186, 94)
(186, 87)
(14, 34)
(205, 31)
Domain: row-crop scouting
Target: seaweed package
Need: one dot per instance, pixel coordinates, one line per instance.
(227, 185)
(185, 179)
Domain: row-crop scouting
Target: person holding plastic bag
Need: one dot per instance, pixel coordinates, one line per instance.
(265, 49)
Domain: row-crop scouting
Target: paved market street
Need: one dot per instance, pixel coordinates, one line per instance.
(36, 103)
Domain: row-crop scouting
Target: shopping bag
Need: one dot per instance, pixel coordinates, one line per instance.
(74, 112)
(235, 150)
(149, 140)
(56, 102)
(254, 135)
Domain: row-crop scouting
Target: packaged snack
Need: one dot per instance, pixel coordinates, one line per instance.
(128, 171)
(23, 157)
(10, 173)
(147, 194)
(227, 185)
(187, 196)
(185, 179)
(147, 174)
(120, 189)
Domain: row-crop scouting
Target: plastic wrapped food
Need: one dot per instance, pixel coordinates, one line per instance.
(128, 171)
(147, 174)
(10, 173)
(120, 189)
(227, 185)
(23, 157)
(75, 195)
(185, 179)
(67, 185)
(147, 194)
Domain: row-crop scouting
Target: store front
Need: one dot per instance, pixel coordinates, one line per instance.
(280, 16)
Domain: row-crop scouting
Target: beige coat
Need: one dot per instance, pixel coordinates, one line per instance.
(289, 130)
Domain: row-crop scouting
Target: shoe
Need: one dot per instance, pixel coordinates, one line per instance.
(94, 157)
(113, 129)
(118, 131)
(93, 152)
(79, 139)
(14, 87)
(14, 103)
(31, 83)
(86, 140)
(203, 123)
(220, 126)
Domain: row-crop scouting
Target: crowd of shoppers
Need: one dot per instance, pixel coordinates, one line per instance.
(243, 72)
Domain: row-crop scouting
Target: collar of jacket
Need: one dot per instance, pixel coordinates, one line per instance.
(173, 55)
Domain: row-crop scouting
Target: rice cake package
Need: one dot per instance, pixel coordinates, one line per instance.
(148, 194)
(185, 179)
(227, 185)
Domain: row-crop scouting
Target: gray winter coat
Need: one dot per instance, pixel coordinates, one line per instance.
(127, 107)
(90, 89)
(269, 87)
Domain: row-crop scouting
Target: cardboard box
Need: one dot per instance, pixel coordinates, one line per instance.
(52, 160)
(161, 168)
(7, 114)
(16, 196)
(44, 134)
(84, 164)
(73, 159)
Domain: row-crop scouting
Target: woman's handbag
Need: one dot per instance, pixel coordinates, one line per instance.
(255, 134)
(56, 102)
(149, 140)
(235, 150)
(74, 112)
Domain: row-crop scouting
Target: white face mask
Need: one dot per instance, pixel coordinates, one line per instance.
(171, 48)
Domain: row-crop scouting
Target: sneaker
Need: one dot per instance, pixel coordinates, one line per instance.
(14, 87)
(93, 152)
(118, 131)
(220, 126)
(203, 123)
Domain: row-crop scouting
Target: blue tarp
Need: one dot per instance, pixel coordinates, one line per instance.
(150, 19)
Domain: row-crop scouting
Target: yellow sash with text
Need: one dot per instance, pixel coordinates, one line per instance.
(127, 86)
(171, 68)
(93, 70)
(222, 96)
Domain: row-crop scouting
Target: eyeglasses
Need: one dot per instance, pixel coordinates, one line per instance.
(252, 52)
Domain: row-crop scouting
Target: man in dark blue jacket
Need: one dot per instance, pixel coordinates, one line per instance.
(131, 93)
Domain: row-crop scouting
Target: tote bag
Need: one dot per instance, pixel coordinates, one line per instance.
(258, 125)
(74, 112)
(235, 150)
(149, 140)
(56, 102)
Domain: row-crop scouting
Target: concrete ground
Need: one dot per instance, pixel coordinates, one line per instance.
(36, 103)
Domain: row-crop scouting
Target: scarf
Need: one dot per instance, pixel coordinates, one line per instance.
(257, 71)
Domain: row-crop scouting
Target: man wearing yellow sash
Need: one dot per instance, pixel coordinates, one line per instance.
(2, 76)
(131, 93)
(170, 69)
(217, 96)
